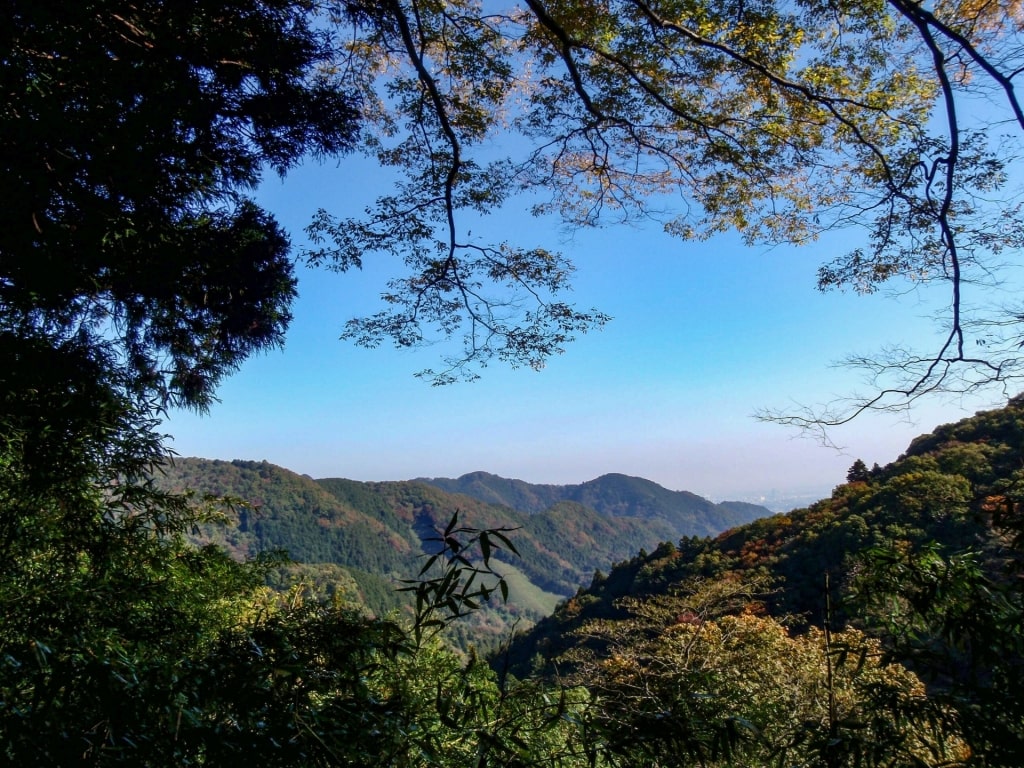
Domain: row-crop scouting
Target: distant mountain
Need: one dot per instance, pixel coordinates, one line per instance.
(362, 538)
(746, 510)
(492, 489)
(612, 495)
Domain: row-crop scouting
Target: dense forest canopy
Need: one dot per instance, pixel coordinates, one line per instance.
(925, 552)
(130, 134)
(135, 272)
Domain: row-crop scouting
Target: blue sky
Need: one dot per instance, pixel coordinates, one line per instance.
(703, 335)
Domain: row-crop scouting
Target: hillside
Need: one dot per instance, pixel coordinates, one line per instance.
(362, 538)
(950, 507)
(612, 495)
(284, 511)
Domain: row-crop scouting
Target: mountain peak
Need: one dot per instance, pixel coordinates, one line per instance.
(613, 494)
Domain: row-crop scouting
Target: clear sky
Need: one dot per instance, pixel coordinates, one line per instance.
(703, 335)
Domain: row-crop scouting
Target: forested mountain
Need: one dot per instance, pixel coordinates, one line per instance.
(364, 538)
(614, 495)
(926, 552)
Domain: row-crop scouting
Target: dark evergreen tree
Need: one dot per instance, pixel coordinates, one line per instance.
(133, 273)
(129, 133)
(858, 472)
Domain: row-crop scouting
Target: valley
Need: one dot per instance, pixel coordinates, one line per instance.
(360, 540)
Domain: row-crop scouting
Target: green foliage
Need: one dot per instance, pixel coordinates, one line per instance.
(134, 273)
(310, 683)
(101, 595)
(130, 131)
(925, 553)
(684, 680)
(963, 627)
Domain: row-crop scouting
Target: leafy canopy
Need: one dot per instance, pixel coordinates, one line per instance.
(778, 120)
(129, 134)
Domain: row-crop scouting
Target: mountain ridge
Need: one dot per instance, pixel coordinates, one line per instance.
(363, 538)
(613, 494)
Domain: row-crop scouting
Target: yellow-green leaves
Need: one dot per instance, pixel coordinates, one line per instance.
(776, 120)
(681, 686)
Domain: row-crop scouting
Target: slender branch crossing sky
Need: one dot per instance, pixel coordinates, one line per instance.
(703, 336)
